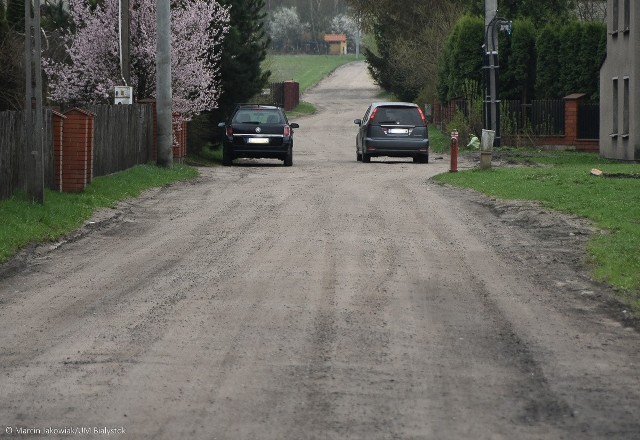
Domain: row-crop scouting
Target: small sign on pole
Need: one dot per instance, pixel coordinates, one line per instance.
(123, 95)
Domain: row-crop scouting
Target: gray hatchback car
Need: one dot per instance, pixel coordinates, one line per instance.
(394, 129)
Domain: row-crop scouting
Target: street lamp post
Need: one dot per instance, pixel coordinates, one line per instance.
(493, 24)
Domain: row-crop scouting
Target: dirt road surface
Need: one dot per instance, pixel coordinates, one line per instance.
(329, 300)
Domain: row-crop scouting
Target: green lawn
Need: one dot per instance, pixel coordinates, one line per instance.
(307, 70)
(24, 222)
(562, 181)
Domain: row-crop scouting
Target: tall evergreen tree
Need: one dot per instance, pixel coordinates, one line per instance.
(462, 60)
(4, 26)
(244, 50)
(15, 14)
(539, 12)
(548, 85)
(519, 62)
(11, 57)
(379, 60)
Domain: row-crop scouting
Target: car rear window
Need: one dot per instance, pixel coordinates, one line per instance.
(258, 116)
(397, 115)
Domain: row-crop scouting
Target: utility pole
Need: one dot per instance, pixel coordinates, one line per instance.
(163, 83)
(491, 71)
(125, 43)
(33, 95)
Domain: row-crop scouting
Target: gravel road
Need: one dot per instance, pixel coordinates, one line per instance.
(329, 300)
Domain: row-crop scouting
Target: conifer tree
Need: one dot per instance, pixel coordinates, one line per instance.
(244, 50)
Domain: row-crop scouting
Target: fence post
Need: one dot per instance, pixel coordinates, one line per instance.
(571, 103)
(77, 150)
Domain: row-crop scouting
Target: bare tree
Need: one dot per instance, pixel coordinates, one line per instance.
(285, 28)
(591, 10)
(317, 13)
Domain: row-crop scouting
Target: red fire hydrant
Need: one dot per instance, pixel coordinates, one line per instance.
(454, 152)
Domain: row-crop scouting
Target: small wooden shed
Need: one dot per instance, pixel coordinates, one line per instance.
(337, 43)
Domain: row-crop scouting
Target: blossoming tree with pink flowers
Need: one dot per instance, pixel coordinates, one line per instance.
(93, 66)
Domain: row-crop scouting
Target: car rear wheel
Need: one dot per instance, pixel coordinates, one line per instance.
(226, 156)
(366, 158)
(421, 159)
(288, 159)
(358, 156)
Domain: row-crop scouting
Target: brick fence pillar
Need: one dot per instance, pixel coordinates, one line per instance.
(571, 103)
(77, 150)
(179, 138)
(185, 131)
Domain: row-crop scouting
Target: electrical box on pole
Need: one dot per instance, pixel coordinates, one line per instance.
(123, 95)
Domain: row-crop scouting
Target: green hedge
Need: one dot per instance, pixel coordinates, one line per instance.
(547, 63)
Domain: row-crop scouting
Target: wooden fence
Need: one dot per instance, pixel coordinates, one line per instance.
(14, 159)
(285, 94)
(123, 137)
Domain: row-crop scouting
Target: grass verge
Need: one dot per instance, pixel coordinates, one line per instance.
(438, 141)
(307, 70)
(208, 156)
(562, 181)
(302, 109)
(24, 222)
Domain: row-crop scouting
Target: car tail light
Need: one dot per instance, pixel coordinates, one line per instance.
(373, 115)
(229, 131)
(287, 131)
(424, 120)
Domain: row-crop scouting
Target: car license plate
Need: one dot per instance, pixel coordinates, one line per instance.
(262, 141)
(398, 131)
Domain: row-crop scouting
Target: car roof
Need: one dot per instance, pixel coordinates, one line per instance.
(269, 107)
(395, 104)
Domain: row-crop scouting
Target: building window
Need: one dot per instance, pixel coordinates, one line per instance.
(614, 107)
(625, 108)
(614, 16)
(627, 14)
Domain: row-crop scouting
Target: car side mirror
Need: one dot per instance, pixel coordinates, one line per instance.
(357, 121)
(221, 125)
(294, 125)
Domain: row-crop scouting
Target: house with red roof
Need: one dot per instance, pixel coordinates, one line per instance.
(337, 44)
